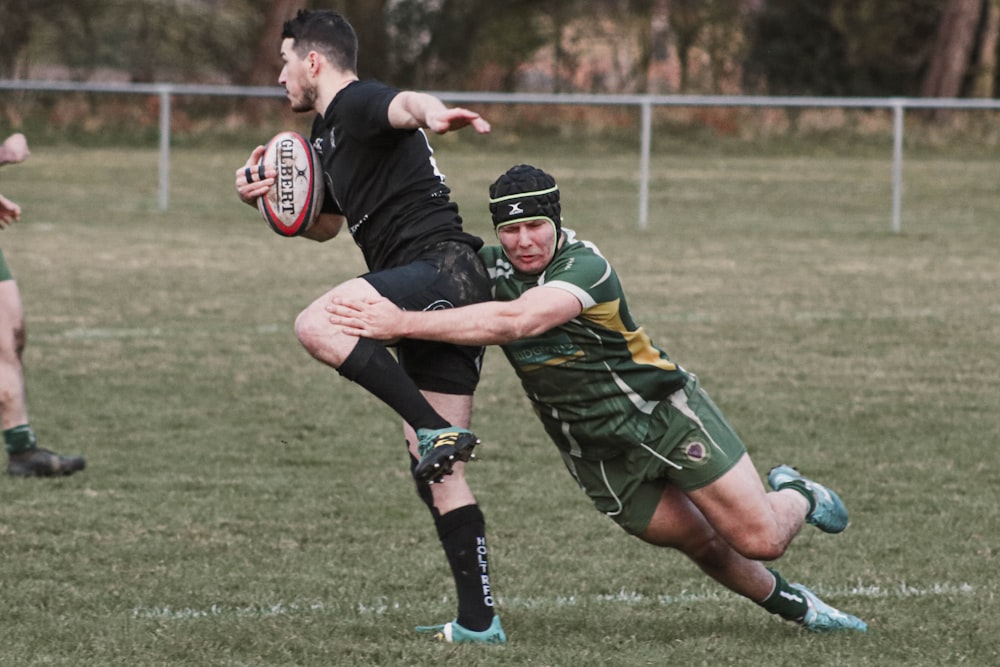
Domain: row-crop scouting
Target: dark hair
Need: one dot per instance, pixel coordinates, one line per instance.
(326, 32)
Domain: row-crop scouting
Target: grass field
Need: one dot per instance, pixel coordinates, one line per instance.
(245, 506)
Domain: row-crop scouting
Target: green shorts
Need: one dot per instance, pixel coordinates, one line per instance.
(690, 444)
(5, 273)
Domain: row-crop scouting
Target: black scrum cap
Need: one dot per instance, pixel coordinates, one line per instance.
(522, 193)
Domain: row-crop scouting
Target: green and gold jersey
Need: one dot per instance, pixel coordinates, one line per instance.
(594, 380)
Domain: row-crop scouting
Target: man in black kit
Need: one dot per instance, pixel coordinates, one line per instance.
(381, 179)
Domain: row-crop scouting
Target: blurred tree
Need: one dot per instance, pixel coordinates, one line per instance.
(369, 18)
(841, 47)
(723, 40)
(707, 38)
(824, 47)
(985, 80)
(448, 43)
(653, 43)
(687, 19)
(951, 54)
(145, 40)
(266, 62)
(16, 21)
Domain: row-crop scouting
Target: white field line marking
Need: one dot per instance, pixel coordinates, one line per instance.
(382, 606)
(157, 332)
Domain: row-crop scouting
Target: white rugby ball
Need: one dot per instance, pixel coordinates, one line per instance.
(294, 201)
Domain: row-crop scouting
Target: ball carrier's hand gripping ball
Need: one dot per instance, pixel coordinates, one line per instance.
(294, 201)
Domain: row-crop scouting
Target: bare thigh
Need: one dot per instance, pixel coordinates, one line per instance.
(678, 523)
(11, 318)
(758, 524)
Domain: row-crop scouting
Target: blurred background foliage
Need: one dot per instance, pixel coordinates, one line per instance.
(945, 48)
(872, 48)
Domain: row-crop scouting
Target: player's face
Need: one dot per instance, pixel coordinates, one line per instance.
(299, 88)
(529, 245)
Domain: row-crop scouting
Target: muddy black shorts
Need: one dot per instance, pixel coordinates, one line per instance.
(447, 275)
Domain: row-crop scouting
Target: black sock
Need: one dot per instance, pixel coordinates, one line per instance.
(463, 536)
(784, 600)
(372, 366)
(423, 489)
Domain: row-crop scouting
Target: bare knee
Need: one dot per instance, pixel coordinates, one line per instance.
(325, 342)
(12, 342)
(318, 336)
(308, 330)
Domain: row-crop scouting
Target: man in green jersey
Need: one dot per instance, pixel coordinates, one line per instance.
(637, 432)
(24, 457)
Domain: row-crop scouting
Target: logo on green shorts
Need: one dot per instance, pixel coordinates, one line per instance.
(696, 452)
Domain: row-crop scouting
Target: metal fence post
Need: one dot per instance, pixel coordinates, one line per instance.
(645, 142)
(897, 163)
(164, 147)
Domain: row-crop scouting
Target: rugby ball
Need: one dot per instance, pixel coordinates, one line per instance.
(294, 201)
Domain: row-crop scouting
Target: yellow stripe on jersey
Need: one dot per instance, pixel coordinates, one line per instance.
(608, 315)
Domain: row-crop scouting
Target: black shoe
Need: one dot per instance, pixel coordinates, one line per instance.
(440, 449)
(39, 462)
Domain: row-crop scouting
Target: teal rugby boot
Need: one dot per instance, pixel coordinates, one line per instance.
(828, 512)
(454, 633)
(821, 617)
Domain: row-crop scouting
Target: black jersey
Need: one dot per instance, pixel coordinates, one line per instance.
(382, 179)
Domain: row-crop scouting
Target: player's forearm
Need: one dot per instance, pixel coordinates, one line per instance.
(410, 110)
(326, 227)
(489, 323)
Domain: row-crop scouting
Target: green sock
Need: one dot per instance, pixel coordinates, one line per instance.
(19, 439)
(801, 487)
(784, 600)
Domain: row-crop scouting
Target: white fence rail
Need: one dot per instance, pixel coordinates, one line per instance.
(898, 105)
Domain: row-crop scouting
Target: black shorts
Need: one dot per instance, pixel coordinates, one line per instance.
(447, 275)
